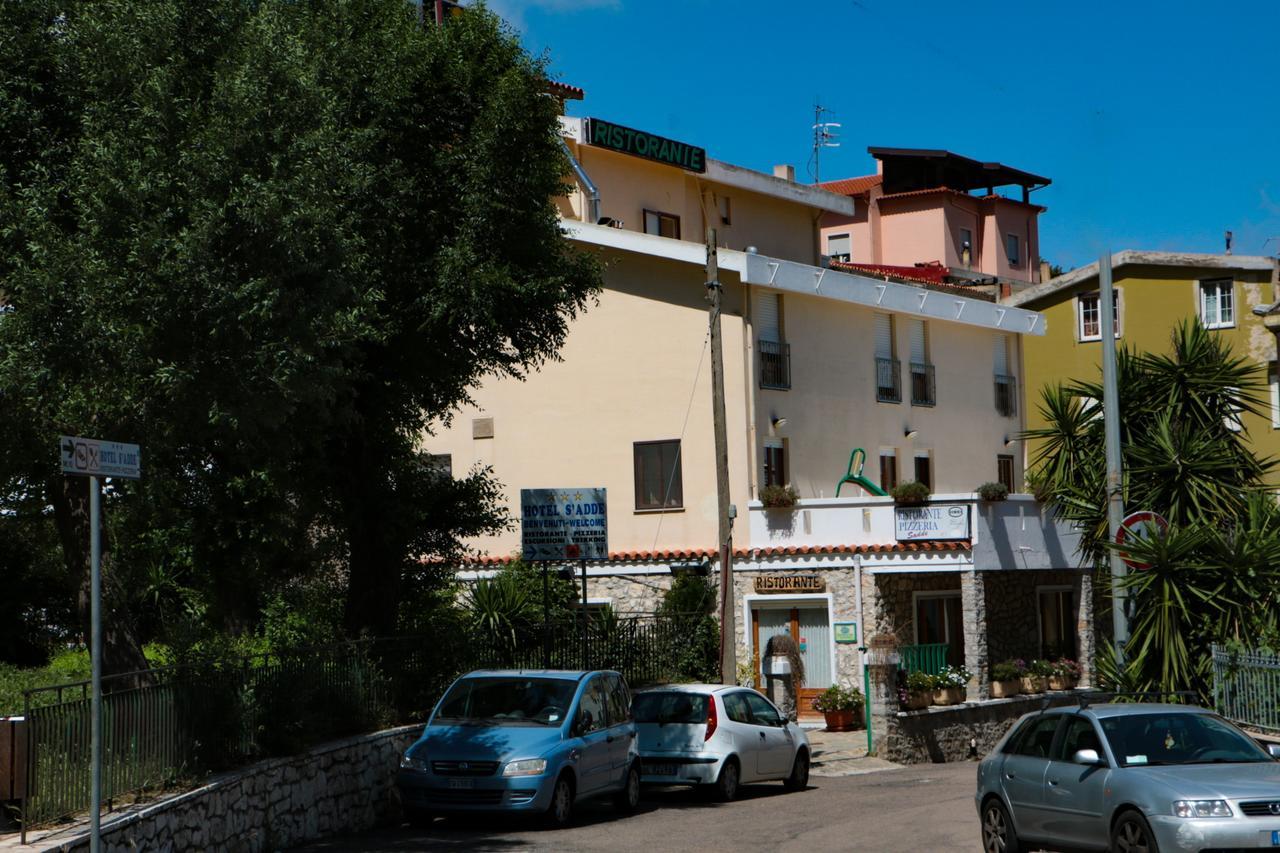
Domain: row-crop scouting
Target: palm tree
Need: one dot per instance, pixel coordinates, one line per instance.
(1184, 455)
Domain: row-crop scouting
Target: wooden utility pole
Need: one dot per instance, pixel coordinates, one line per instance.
(728, 628)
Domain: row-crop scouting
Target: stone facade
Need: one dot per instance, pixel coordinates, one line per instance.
(339, 787)
(956, 732)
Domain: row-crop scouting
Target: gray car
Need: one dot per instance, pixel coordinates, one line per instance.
(1130, 778)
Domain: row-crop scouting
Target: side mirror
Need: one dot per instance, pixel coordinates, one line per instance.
(1273, 749)
(1086, 756)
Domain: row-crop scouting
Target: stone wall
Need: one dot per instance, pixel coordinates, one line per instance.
(956, 732)
(338, 787)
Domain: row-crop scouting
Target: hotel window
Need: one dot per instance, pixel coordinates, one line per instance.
(441, 463)
(775, 352)
(939, 619)
(1057, 622)
(658, 481)
(838, 247)
(1005, 385)
(1011, 249)
(888, 470)
(775, 462)
(726, 212)
(1089, 315)
(888, 368)
(924, 470)
(1004, 471)
(1217, 304)
(922, 378)
(662, 224)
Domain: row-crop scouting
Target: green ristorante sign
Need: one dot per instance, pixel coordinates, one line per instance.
(639, 143)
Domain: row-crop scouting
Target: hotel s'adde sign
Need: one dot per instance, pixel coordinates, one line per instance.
(564, 524)
(935, 521)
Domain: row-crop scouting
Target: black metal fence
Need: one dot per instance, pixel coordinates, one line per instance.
(165, 725)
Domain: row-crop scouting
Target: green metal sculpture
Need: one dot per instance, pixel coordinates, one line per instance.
(854, 475)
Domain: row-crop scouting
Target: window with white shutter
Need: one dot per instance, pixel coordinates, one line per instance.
(838, 247)
(888, 375)
(922, 380)
(775, 353)
(1273, 379)
(1006, 394)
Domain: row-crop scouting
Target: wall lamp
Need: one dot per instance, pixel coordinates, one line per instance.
(908, 432)
(1009, 440)
(778, 422)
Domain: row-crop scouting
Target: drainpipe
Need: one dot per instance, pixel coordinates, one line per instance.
(862, 645)
(588, 187)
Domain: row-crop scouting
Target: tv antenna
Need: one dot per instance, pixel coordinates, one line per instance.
(824, 136)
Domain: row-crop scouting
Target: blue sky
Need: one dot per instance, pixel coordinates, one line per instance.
(1159, 123)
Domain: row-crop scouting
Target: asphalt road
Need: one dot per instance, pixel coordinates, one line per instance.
(914, 809)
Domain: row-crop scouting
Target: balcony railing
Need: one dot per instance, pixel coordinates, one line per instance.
(888, 380)
(1006, 395)
(922, 387)
(775, 364)
(927, 658)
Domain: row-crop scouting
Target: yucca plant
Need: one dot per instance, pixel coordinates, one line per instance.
(1184, 456)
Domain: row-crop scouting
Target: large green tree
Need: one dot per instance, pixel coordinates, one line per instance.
(272, 242)
(1215, 576)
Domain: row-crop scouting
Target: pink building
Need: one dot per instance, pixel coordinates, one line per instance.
(940, 212)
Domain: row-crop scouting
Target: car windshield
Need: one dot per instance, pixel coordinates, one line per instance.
(507, 701)
(1178, 738)
(670, 706)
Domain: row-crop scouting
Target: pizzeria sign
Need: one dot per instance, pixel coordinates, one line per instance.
(935, 521)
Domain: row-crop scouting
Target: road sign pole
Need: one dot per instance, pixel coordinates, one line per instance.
(95, 660)
(1111, 430)
(586, 649)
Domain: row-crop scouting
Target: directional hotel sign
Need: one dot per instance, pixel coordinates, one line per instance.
(91, 457)
(640, 143)
(564, 524)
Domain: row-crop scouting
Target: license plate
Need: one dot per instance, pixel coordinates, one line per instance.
(661, 769)
(1275, 837)
(462, 784)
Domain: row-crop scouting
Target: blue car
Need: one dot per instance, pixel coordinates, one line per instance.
(531, 741)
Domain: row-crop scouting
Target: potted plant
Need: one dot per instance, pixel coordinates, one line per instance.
(1037, 678)
(910, 493)
(951, 684)
(1065, 675)
(991, 492)
(779, 497)
(1006, 678)
(840, 705)
(920, 687)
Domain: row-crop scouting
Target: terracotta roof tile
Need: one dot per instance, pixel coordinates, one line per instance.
(852, 186)
(565, 91)
(753, 553)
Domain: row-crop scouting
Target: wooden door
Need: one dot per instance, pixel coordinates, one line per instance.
(806, 694)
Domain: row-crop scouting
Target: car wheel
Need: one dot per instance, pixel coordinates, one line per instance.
(628, 799)
(799, 778)
(998, 834)
(1131, 834)
(726, 786)
(560, 811)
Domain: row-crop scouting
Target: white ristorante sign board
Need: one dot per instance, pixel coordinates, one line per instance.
(564, 524)
(89, 457)
(935, 521)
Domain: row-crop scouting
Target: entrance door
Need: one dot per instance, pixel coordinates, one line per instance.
(810, 627)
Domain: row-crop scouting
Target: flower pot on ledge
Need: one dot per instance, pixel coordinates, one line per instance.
(948, 695)
(1033, 684)
(839, 721)
(1006, 689)
(1062, 682)
(917, 699)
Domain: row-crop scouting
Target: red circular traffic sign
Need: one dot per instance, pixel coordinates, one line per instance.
(1139, 525)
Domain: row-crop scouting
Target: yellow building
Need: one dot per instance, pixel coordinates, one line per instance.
(1236, 296)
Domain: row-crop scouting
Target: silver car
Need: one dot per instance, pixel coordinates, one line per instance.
(1131, 778)
(718, 736)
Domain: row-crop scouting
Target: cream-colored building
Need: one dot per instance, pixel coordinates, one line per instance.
(818, 362)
